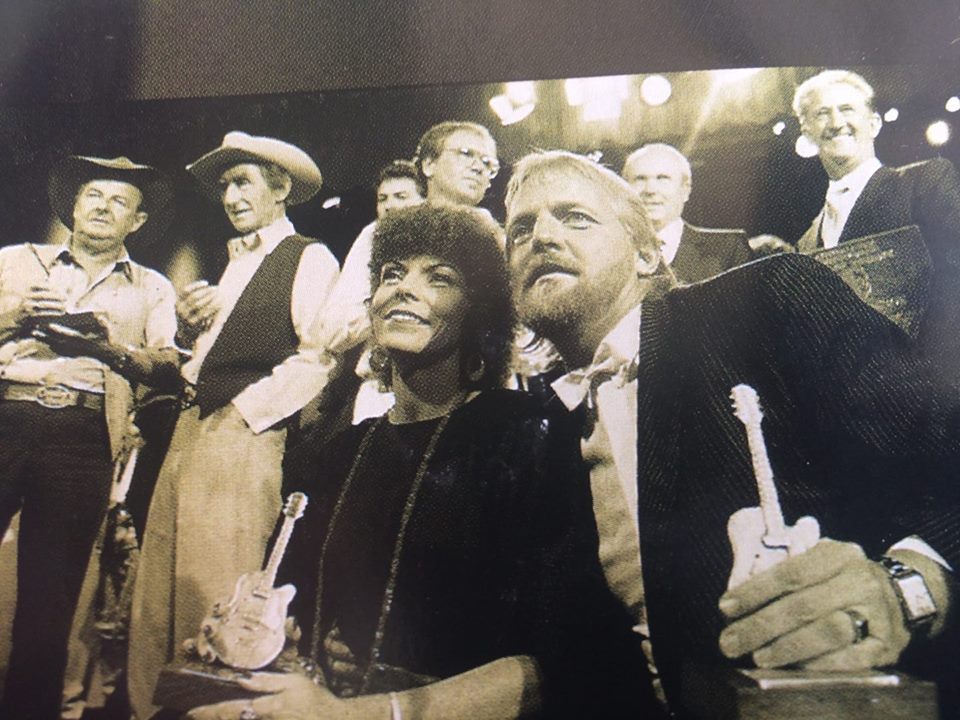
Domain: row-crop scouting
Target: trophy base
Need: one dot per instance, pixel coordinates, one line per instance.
(736, 694)
(187, 684)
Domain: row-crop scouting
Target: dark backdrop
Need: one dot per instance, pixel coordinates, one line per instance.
(163, 81)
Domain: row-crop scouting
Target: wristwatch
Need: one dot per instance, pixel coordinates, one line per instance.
(916, 601)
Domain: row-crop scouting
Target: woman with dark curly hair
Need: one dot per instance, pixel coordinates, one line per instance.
(447, 562)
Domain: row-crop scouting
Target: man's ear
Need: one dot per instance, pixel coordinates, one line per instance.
(280, 194)
(876, 122)
(141, 219)
(426, 166)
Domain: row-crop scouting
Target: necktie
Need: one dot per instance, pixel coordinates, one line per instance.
(832, 224)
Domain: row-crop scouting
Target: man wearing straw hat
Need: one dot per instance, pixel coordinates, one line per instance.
(257, 359)
(79, 322)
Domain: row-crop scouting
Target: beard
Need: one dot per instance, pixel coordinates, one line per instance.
(554, 314)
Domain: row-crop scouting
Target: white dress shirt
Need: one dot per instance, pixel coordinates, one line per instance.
(611, 454)
(299, 378)
(669, 236)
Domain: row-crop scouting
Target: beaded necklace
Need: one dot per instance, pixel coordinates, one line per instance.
(387, 602)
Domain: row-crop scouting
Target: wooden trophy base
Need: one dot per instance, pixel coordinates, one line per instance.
(186, 684)
(732, 694)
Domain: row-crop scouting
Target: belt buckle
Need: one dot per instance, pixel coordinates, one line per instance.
(56, 397)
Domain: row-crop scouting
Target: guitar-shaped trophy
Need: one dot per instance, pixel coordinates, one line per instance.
(758, 535)
(247, 632)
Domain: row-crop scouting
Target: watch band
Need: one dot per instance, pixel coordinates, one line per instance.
(916, 601)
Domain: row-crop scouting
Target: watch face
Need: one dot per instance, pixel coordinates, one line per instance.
(916, 597)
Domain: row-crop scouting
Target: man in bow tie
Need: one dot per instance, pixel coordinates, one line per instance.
(837, 113)
(850, 414)
(257, 359)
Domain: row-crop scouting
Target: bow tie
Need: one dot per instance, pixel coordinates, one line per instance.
(579, 385)
(243, 245)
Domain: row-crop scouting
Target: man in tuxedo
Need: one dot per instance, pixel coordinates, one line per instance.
(837, 113)
(850, 416)
(661, 174)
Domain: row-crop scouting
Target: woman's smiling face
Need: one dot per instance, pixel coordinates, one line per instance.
(419, 307)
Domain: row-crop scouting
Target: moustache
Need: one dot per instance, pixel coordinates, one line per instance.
(538, 267)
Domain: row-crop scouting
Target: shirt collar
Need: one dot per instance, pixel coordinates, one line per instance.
(51, 254)
(623, 342)
(270, 235)
(856, 180)
(669, 236)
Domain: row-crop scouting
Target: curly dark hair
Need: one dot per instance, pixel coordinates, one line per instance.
(470, 240)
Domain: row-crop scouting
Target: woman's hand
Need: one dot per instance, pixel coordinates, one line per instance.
(288, 696)
(345, 673)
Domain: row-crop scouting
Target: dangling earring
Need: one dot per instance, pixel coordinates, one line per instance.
(380, 364)
(476, 368)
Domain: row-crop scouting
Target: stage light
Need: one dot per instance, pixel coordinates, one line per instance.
(655, 90)
(507, 111)
(953, 104)
(520, 93)
(516, 102)
(733, 75)
(891, 115)
(779, 127)
(805, 147)
(575, 89)
(938, 133)
(601, 98)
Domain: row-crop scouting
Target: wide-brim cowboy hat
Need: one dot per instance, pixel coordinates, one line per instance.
(238, 148)
(73, 171)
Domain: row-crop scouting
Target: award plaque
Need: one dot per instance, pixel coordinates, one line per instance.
(738, 694)
(889, 271)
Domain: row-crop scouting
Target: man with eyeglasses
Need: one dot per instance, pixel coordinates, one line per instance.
(456, 162)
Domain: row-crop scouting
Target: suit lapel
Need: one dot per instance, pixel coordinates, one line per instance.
(688, 254)
(810, 240)
(865, 217)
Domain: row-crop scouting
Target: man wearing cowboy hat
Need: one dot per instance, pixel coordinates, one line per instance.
(79, 322)
(257, 360)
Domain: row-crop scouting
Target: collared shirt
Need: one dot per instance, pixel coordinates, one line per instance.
(610, 451)
(135, 303)
(295, 381)
(842, 195)
(346, 320)
(669, 236)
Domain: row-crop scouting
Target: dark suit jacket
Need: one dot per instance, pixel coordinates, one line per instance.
(926, 194)
(705, 252)
(860, 433)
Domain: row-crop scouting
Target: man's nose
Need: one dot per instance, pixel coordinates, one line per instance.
(545, 230)
(836, 117)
